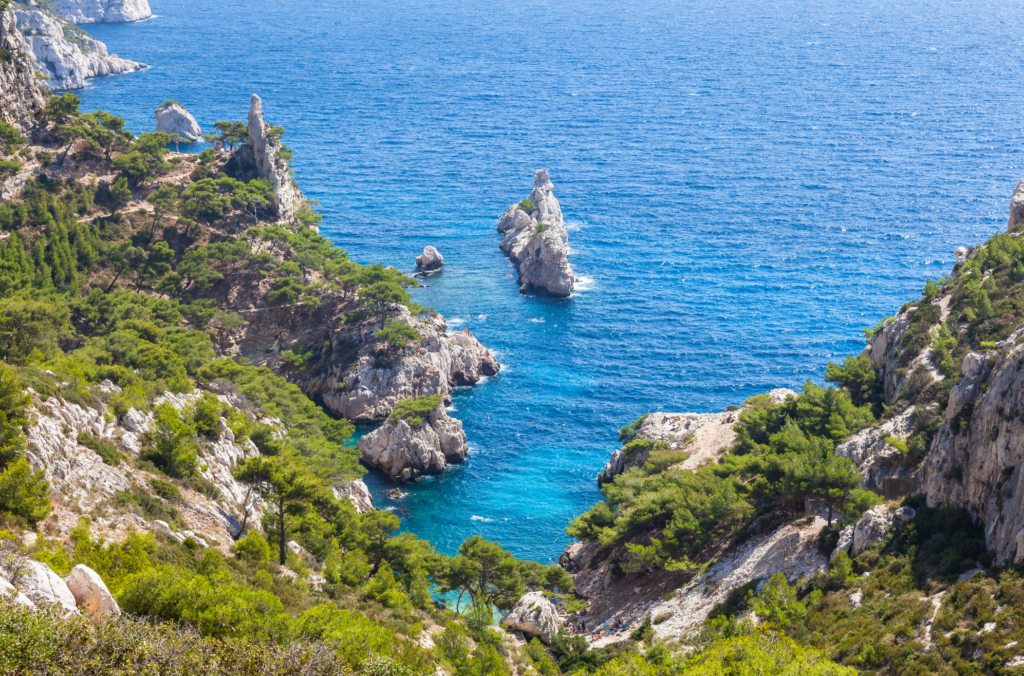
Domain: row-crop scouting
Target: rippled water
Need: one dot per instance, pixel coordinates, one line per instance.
(747, 185)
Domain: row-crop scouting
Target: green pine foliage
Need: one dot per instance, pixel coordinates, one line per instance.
(413, 411)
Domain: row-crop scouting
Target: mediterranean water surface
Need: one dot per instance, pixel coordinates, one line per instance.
(747, 185)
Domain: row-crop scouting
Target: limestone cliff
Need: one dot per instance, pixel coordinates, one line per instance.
(82, 481)
(536, 240)
(20, 95)
(102, 11)
(64, 53)
(262, 156)
(404, 451)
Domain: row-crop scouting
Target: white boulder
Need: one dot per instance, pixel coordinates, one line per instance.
(534, 615)
(173, 119)
(91, 594)
(358, 493)
(9, 590)
(45, 588)
(430, 260)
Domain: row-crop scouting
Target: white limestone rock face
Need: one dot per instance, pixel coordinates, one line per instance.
(91, 594)
(357, 492)
(67, 64)
(103, 11)
(369, 389)
(430, 260)
(45, 588)
(405, 452)
(10, 591)
(537, 242)
(535, 616)
(873, 527)
(791, 549)
(1016, 206)
(173, 119)
(20, 95)
(260, 157)
(879, 462)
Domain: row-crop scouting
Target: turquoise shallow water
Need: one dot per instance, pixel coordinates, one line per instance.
(747, 185)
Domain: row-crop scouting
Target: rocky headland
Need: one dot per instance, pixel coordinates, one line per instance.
(64, 54)
(405, 448)
(536, 241)
(102, 11)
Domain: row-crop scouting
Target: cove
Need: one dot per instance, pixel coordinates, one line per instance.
(746, 187)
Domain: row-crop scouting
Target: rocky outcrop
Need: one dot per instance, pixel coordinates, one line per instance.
(535, 616)
(79, 477)
(103, 11)
(68, 63)
(430, 260)
(261, 157)
(357, 492)
(20, 95)
(879, 462)
(91, 594)
(172, 118)
(368, 389)
(704, 437)
(536, 240)
(1016, 207)
(873, 527)
(405, 452)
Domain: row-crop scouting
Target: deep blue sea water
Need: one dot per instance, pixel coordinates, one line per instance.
(747, 184)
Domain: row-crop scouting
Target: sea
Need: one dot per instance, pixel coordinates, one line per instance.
(747, 185)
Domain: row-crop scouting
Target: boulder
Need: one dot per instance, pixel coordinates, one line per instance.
(9, 590)
(172, 118)
(405, 452)
(537, 242)
(845, 542)
(960, 254)
(45, 588)
(535, 616)
(358, 493)
(91, 594)
(430, 261)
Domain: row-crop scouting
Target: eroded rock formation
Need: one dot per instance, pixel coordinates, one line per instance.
(405, 451)
(536, 241)
(261, 157)
(68, 63)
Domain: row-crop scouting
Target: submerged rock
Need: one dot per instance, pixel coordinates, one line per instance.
(536, 241)
(535, 616)
(67, 63)
(173, 119)
(103, 11)
(405, 451)
(430, 261)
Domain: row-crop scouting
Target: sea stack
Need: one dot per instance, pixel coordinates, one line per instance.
(405, 449)
(536, 241)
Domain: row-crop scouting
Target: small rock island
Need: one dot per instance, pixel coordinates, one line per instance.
(536, 241)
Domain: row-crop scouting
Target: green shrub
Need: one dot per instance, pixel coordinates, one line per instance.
(103, 448)
(253, 547)
(145, 505)
(527, 205)
(398, 334)
(24, 494)
(412, 411)
(165, 489)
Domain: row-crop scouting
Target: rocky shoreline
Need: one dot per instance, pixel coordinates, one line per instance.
(64, 54)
